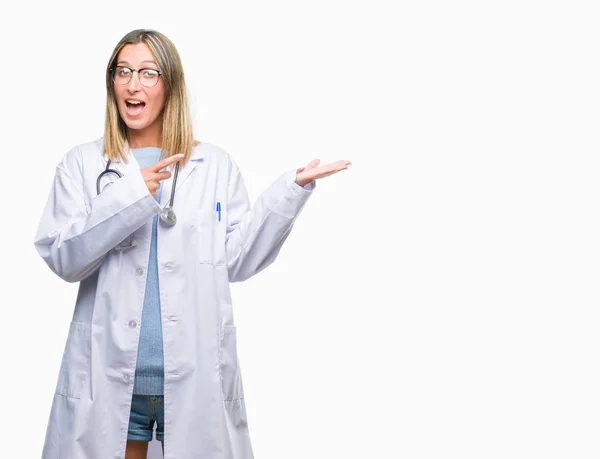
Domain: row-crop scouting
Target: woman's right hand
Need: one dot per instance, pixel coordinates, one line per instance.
(152, 175)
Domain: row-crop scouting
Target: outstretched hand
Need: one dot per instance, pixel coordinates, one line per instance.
(312, 172)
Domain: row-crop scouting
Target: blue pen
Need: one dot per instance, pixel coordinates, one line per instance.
(219, 210)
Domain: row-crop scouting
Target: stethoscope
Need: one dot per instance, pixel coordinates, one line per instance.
(167, 215)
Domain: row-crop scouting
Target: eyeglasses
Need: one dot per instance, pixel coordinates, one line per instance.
(147, 77)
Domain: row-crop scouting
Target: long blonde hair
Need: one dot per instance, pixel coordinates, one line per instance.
(177, 132)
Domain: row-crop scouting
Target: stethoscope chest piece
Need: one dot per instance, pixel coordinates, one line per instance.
(167, 215)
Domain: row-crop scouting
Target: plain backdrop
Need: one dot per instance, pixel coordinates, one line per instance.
(439, 299)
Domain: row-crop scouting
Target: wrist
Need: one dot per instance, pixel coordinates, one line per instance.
(302, 182)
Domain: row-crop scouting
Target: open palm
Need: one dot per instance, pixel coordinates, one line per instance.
(313, 171)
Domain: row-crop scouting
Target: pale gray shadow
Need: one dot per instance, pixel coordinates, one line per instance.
(154, 449)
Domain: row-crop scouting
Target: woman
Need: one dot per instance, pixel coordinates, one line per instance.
(154, 226)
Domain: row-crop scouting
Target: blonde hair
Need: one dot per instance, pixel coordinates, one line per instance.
(177, 132)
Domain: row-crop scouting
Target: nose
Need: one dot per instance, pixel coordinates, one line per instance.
(134, 84)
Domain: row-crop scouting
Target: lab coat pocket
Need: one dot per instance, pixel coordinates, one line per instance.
(229, 371)
(210, 237)
(75, 361)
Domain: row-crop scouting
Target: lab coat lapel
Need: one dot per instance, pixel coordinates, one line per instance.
(167, 185)
(184, 172)
(125, 167)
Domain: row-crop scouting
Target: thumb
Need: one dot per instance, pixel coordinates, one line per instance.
(313, 163)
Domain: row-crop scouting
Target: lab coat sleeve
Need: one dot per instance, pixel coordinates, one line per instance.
(74, 235)
(256, 234)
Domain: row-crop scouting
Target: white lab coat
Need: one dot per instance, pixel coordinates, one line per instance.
(89, 238)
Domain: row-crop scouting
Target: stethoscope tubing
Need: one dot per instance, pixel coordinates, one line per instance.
(106, 171)
(167, 215)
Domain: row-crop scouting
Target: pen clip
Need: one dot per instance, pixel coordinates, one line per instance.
(219, 209)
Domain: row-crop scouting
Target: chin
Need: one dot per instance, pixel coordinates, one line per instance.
(136, 125)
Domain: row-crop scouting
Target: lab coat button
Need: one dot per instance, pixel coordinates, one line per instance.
(132, 324)
(125, 378)
(168, 266)
(139, 271)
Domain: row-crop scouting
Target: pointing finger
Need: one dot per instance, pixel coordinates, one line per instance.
(163, 175)
(166, 162)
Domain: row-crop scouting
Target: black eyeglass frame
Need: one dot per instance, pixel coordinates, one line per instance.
(112, 72)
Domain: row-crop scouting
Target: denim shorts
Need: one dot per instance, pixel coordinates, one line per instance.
(145, 410)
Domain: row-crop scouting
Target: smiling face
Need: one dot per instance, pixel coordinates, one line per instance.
(140, 107)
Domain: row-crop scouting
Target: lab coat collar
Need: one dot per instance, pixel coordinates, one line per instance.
(198, 152)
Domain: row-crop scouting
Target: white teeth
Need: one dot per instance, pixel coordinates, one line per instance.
(134, 102)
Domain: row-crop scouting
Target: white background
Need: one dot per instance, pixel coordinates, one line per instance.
(438, 299)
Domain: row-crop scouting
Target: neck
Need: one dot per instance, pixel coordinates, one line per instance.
(144, 138)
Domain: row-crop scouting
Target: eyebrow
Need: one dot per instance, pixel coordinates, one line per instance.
(127, 63)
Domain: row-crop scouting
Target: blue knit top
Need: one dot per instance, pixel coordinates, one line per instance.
(149, 369)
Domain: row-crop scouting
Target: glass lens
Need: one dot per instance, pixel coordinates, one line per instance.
(148, 77)
(122, 75)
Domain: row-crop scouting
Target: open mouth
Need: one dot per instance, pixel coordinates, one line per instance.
(134, 107)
